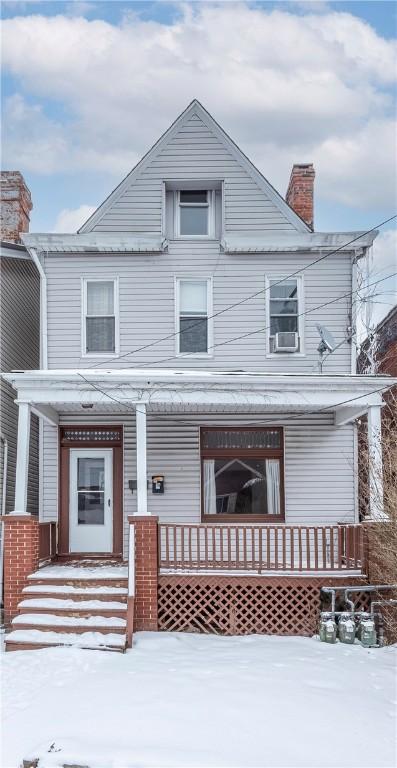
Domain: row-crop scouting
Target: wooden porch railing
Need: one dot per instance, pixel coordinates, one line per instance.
(47, 541)
(261, 548)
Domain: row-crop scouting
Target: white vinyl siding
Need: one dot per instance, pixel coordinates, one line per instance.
(319, 469)
(194, 153)
(147, 307)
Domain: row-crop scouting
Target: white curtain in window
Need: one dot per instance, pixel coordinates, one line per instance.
(209, 487)
(193, 296)
(100, 298)
(273, 486)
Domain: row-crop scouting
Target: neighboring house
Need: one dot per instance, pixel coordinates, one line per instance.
(187, 429)
(20, 333)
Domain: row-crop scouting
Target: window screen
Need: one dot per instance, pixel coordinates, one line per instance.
(283, 307)
(193, 316)
(100, 317)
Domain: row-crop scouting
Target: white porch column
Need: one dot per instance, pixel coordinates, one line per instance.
(375, 478)
(22, 466)
(141, 468)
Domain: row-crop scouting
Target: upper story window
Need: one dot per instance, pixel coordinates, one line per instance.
(284, 321)
(194, 209)
(193, 303)
(100, 317)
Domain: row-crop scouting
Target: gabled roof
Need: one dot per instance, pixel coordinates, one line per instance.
(195, 108)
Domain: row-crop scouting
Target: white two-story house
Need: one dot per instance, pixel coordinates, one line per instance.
(183, 398)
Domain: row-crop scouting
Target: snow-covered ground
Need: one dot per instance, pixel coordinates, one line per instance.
(194, 700)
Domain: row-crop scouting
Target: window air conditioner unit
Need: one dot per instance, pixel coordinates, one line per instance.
(286, 342)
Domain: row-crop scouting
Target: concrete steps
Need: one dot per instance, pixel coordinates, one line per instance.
(73, 605)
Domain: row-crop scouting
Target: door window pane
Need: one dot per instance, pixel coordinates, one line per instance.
(91, 490)
(91, 474)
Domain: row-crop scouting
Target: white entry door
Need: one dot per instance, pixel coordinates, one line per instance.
(91, 500)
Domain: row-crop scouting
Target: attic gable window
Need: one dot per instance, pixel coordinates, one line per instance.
(194, 213)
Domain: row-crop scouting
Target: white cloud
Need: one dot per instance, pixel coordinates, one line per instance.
(287, 87)
(71, 219)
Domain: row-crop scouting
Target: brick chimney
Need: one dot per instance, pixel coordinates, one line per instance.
(300, 191)
(15, 206)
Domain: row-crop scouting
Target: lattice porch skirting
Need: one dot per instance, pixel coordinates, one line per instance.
(227, 605)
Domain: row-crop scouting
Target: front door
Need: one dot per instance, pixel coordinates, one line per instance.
(91, 500)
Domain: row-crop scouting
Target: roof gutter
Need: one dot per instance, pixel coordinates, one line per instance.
(43, 308)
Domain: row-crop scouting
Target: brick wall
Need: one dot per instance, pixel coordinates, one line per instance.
(300, 192)
(146, 572)
(21, 558)
(15, 206)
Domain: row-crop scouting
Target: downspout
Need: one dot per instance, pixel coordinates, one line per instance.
(354, 345)
(43, 355)
(43, 309)
(3, 509)
(5, 469)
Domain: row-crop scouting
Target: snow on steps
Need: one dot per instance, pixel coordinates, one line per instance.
(64, 601)
(28, 639)
(107, 572)
(77, 593)
(55, 605)
(48, 621)
(75, 575)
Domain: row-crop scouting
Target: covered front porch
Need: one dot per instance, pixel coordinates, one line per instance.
(245, 472)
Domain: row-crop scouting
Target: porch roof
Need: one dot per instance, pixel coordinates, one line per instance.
(51, 392)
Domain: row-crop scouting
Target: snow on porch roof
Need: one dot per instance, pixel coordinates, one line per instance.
(297, 241)
(94, 242)
(173, 376)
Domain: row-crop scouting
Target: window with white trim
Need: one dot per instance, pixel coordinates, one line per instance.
(193, 302)
(285, 332)
(100, 318)
(194, 213)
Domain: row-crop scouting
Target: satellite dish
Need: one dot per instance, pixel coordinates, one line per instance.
(327, 343)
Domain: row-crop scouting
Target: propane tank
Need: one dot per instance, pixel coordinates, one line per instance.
(367, 631)
(346, 628)
(327, 629)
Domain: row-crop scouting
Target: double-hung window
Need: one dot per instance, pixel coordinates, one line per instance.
(285, 327)
(100, 317)
(193, 302)
(194, 213)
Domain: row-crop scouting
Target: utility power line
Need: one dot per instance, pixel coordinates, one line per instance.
(252, 296)
(291, 416)
(266, 327)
